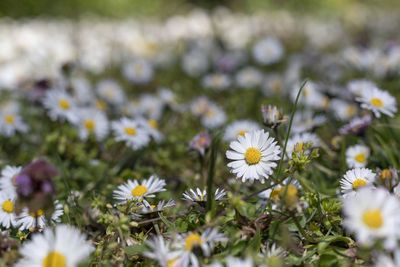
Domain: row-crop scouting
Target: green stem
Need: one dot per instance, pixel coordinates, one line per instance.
(302, 232)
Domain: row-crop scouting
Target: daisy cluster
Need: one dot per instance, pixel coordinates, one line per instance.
(208, 139)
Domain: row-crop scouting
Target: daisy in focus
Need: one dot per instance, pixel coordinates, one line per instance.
(131, 132)
(198, 195)
(133, 190)
(379, 102)
(357, 156)
(373, 220)
(65, 246)
(253, 156)
(7, 213)
(355, 179)
(148, 208)
(239, 128)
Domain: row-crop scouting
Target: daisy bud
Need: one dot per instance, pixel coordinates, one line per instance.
(272, 117)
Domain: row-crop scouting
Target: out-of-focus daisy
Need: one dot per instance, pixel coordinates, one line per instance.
(355, 179)
(206, 241)
(27, 219)
(356, 125)
(378, 101)
(151, 106)
(195, 63)
(357, 87)
(160, 251)
(7, 179)
(357, 156)
(167, 96)
(7, 213)
(249, 78)
(92, 121)
(199, 106)
(268, 51)
(253, 156)
(216, 81)
(66, 246)
(138, 191)
(201, 142)
(11, 122)
(131, 132)
(343, 110)
(111, 92)
(299, 140)
(198, 195)
(151, 127)
(148, 208)
(138, 71)
(273, 84)
(82, 90)
(239, 128)
(275, 255)
(384, 260)
(272, 117)
(373, 214)
(311, 96)
(213, 117)
(234, 262)
(306, 121)
(60, 105)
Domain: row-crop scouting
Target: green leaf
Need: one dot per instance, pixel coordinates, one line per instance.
(135, 249)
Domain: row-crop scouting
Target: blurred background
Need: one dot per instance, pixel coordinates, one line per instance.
(164, 8)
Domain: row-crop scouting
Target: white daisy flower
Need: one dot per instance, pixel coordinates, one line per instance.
(195, 63)
(7, 213)
(213, 117)
(384, 260)
(373, 214)
(240, 128)
(199, 106)
(217, 81)
(300, 140)
(306, 121)
(131, 132)
(249, 78)
(60, 105)
(11, 122)
(167, 96)
(201, 196)
(357, 87)
(7, 179)
(138, 71)
(151, 106)
(354, 179)
(148, 208)
(82, 90)
(273, 84)
(66, 246)
(311, 96)
(206, 241)
(110, 91)
(27, 220)
(151, 127)
(160, 251)
(138, 191)
(268, 51)
(92, 121)
(378, 101)
(357, 156)
(253, 156)
(234, 262)
(342, 109)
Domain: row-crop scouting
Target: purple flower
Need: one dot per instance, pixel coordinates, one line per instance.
(356, 125)
(201, 142)
(24, 185)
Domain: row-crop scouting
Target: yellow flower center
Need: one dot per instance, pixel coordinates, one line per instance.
(139, 191)
(376, 102)
(358, 183)
(241, 132)
(101, 105)
(54, 259)
(9, 119)
(8, 206)
(36, 214)
(373, 218)
(89, 124)
(386, 174)
(360, 158)
(153, 124)
(275, 193)
(64, 104)
(350, 111)
(252, 156)
(130, 131)
(172, 262)
(192, 240)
